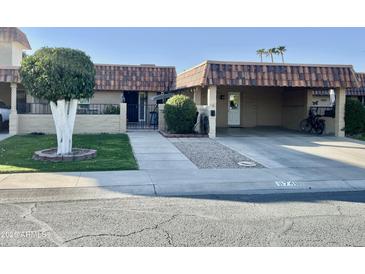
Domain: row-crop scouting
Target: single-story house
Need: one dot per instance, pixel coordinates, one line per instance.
(232, 94)
(247, 94)
(133, 85)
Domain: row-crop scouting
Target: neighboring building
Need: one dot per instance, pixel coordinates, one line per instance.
(134, 85)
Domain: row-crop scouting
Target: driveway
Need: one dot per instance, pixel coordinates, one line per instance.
(287, 149)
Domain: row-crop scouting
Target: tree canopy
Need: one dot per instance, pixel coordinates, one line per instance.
(58, 73)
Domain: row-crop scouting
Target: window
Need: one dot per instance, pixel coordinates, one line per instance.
(233, 101)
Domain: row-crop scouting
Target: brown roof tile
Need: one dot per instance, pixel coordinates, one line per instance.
(268, 74)
(134, 78)
(9, 74)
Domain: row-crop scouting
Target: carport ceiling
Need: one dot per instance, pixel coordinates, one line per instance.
(269, 75)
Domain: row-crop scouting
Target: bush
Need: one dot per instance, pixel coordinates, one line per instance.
(180, 114)
(112, 109)
(354, 117)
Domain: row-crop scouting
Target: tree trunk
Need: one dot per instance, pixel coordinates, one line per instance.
(272, 58)
(282, 57)
(261, 58)
(64, 114)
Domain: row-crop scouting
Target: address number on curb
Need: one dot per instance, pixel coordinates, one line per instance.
(285, 183)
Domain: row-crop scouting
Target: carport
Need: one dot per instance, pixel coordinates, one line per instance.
(249, 95)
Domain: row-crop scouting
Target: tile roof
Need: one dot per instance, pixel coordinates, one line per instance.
(14, 34)
(268, 74)
(135, 78)
(359, 91)
(9, 74)
(118, 77)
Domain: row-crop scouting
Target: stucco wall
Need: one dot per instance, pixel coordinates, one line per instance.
(5, 54)
(28, 123)
(10, 53)
(259, 106)
(294, 108)
(106, 97)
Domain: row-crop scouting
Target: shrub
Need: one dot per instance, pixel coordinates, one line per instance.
(354, 117)
(112, 109)
(180, 114)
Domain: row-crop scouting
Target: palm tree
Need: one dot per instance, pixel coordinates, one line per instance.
(261, 52)
(271, 52)
(281, 50)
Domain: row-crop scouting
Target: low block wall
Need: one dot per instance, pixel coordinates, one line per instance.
(28, 123)
(113, 123)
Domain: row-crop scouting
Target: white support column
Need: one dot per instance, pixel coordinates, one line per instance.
(212, 109)
(123, 118)
(161, 117)
(198, 95)
(340, 112)
(13, 118)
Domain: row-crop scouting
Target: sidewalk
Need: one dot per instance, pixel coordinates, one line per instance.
(195, 182)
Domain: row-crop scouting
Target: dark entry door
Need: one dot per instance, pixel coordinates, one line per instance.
(131, 98)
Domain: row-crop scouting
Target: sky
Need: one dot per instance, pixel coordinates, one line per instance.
(187, 47)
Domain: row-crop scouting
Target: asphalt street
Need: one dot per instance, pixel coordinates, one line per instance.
(315, 219)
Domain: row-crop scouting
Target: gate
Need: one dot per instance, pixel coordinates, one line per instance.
(142, 116)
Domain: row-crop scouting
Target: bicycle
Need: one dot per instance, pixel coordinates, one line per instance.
(313, 123)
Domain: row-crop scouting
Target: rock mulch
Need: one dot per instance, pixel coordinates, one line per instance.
(208, 154)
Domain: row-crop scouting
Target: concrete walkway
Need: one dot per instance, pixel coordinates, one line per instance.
(3, 136)
(155, 152)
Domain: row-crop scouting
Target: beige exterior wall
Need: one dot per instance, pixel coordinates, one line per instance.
(222, 107)
(321, 101)
(106, 97)
(259, 106)
(5, 54)
(5, 94)
(11, 53)
(28, 123)
(295, 108)
(150, 94)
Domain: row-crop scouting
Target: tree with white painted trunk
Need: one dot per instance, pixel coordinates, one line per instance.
(62, 76)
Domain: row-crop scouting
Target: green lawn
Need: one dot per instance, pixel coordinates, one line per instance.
(114, 152)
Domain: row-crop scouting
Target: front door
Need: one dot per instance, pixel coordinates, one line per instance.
(131, 98)
(234, 108)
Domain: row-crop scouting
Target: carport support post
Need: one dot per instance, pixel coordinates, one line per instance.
(13, 118)
(212, 110)
(340, 112)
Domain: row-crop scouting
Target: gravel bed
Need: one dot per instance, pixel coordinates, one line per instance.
(206, 153)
